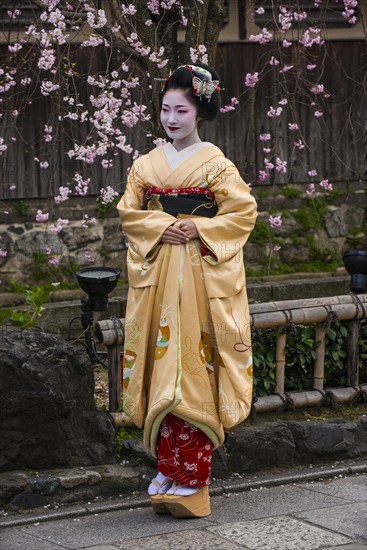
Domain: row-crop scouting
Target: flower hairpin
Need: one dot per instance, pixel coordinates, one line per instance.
(202, 83)
(203, 87)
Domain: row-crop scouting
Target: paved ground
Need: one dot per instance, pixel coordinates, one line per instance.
(325, 514)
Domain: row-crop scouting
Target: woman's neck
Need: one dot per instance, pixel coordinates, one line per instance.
(187, 141)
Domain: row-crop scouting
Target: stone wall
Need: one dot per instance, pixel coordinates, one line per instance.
(314, 231)
(30, 245)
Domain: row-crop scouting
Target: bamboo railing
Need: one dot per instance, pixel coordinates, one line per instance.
(351, 308)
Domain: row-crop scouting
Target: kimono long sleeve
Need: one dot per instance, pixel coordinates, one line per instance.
(143, 228)
(226, 234)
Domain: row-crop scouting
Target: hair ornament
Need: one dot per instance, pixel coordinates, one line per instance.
(202, 83)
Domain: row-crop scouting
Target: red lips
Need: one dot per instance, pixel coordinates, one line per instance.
(172, 128)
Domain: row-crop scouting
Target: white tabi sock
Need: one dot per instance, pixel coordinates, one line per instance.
(181, 490)
(159, 485)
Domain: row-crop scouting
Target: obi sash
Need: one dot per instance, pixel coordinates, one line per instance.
(196, 201)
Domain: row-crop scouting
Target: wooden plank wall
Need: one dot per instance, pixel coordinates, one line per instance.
(338, 142)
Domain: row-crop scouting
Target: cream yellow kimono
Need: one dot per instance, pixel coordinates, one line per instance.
(188, 342)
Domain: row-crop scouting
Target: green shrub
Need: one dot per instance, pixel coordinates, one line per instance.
(301, 354)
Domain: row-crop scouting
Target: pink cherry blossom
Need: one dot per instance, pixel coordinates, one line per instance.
(264, 137)
(299, 16)
(281, 166)
(251, 80)
(273, 113)
(311, 189)
(153, 6)
(231, 106)
(16, 48)
(274, 61)
(299, 145)
(3, 146)
(87, 221)
(285, 18)
(63, 195)
(47, 87)
(318, 89)
(54, 261)
(13, 14)
(310, 37)
(58, 227)
(286, 68)
(263, 175)
(42, 217)
(263, 38)
(47, 133)
(107, 194)
(326, 185)
(275, 221)
(81, 187)
(46, 60)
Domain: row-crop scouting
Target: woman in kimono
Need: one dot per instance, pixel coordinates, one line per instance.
(187, 366)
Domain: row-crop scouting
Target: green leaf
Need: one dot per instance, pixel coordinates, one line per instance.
(21, 318)
(4, 315)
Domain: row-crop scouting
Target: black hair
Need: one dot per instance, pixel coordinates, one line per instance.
(181, 79)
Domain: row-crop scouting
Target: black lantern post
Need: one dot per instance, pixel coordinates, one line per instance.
(355, 262)
(97, 282)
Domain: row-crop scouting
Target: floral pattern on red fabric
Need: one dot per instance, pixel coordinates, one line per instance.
(184, 452)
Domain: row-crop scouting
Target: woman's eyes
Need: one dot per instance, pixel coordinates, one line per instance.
(181, 112)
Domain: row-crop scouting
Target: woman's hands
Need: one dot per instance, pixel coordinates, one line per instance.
(180, 233)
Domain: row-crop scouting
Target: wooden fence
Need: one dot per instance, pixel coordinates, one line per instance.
(351, 307)
(336, 143)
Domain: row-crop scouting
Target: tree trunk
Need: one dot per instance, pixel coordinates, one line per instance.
(203, 27)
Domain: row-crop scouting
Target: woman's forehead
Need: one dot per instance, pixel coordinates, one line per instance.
(176, 98)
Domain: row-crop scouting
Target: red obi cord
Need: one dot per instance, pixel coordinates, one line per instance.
(184, 452)
(185, 191)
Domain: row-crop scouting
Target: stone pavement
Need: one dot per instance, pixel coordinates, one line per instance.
(265, 515)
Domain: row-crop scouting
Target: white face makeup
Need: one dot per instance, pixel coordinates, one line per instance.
(179, 119)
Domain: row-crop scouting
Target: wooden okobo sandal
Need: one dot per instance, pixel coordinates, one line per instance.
(196, 505)
(157, 499)
(158, 505)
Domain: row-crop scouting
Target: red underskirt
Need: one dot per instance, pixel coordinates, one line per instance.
(184, 452)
